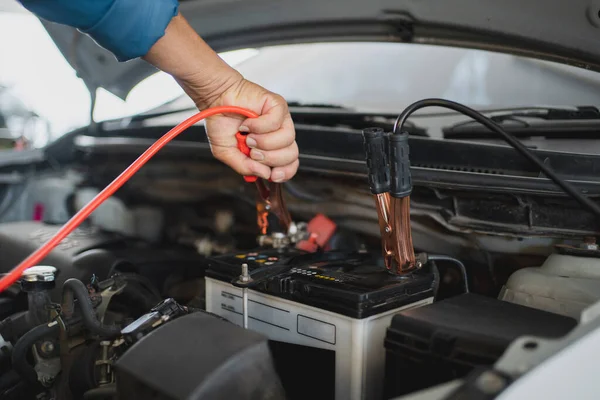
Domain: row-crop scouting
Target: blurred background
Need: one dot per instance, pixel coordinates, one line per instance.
(41, 96)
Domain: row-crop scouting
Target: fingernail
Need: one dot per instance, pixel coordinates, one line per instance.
(244, 128)
(257, 155)
(277, 176)
(251, 142)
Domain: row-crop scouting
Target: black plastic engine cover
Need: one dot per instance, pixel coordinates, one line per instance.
(88, 252)
(198, 356)
(78, 256)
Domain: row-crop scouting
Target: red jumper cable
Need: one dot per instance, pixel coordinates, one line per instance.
(38, 255)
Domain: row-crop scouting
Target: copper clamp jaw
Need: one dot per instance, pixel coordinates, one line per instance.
(396, 238)
(390, 183)
(275, 224)
(270, 202)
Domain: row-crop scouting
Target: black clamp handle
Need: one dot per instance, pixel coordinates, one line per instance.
(376, 149)
(401, 180)
(384, 152)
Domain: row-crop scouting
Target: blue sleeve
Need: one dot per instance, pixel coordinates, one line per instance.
(128, 28)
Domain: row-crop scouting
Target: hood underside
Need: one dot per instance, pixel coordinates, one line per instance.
(563, 31)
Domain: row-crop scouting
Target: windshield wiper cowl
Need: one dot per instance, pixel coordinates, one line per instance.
(556, 123)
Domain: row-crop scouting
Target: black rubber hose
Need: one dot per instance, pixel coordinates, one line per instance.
(25, 343)
(75, 288)
(569, 189)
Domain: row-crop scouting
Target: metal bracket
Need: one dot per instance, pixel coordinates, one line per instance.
(107, 295)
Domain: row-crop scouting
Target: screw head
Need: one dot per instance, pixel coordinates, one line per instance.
(47, 347)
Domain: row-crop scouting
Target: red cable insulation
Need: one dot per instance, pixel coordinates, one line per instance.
(108, 191)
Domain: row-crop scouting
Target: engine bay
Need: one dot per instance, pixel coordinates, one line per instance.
(190, 284)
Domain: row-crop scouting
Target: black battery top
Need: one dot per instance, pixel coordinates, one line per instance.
(351, 284)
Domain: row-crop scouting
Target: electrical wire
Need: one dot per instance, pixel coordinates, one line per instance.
(516, 144)
(108, 191)
(461, 266)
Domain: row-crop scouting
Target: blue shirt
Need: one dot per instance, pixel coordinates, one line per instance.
(128, 28)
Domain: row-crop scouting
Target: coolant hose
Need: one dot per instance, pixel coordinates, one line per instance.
(74, 288)
(25, 343)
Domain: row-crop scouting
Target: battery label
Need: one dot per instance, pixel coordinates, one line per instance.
(313, 328)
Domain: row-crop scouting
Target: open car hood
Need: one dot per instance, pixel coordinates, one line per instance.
(563, 31)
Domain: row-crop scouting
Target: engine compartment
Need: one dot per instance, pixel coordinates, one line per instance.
(189, 284)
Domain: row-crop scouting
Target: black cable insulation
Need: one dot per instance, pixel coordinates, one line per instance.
(461, 266)
(569, 189)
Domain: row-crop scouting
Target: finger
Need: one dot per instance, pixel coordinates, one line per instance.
(276, 140)
(282, 174)
(274, 112)
(276, 158)
(240, 163)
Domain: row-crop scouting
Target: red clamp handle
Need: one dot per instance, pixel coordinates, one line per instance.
(243, 147)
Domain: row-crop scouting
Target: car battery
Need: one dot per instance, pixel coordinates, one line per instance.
(325, 314)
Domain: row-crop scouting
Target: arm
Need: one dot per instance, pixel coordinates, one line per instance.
(209, 81)
(154, 30)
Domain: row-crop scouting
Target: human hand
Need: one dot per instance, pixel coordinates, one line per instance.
(210, 82)
(271, 136)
